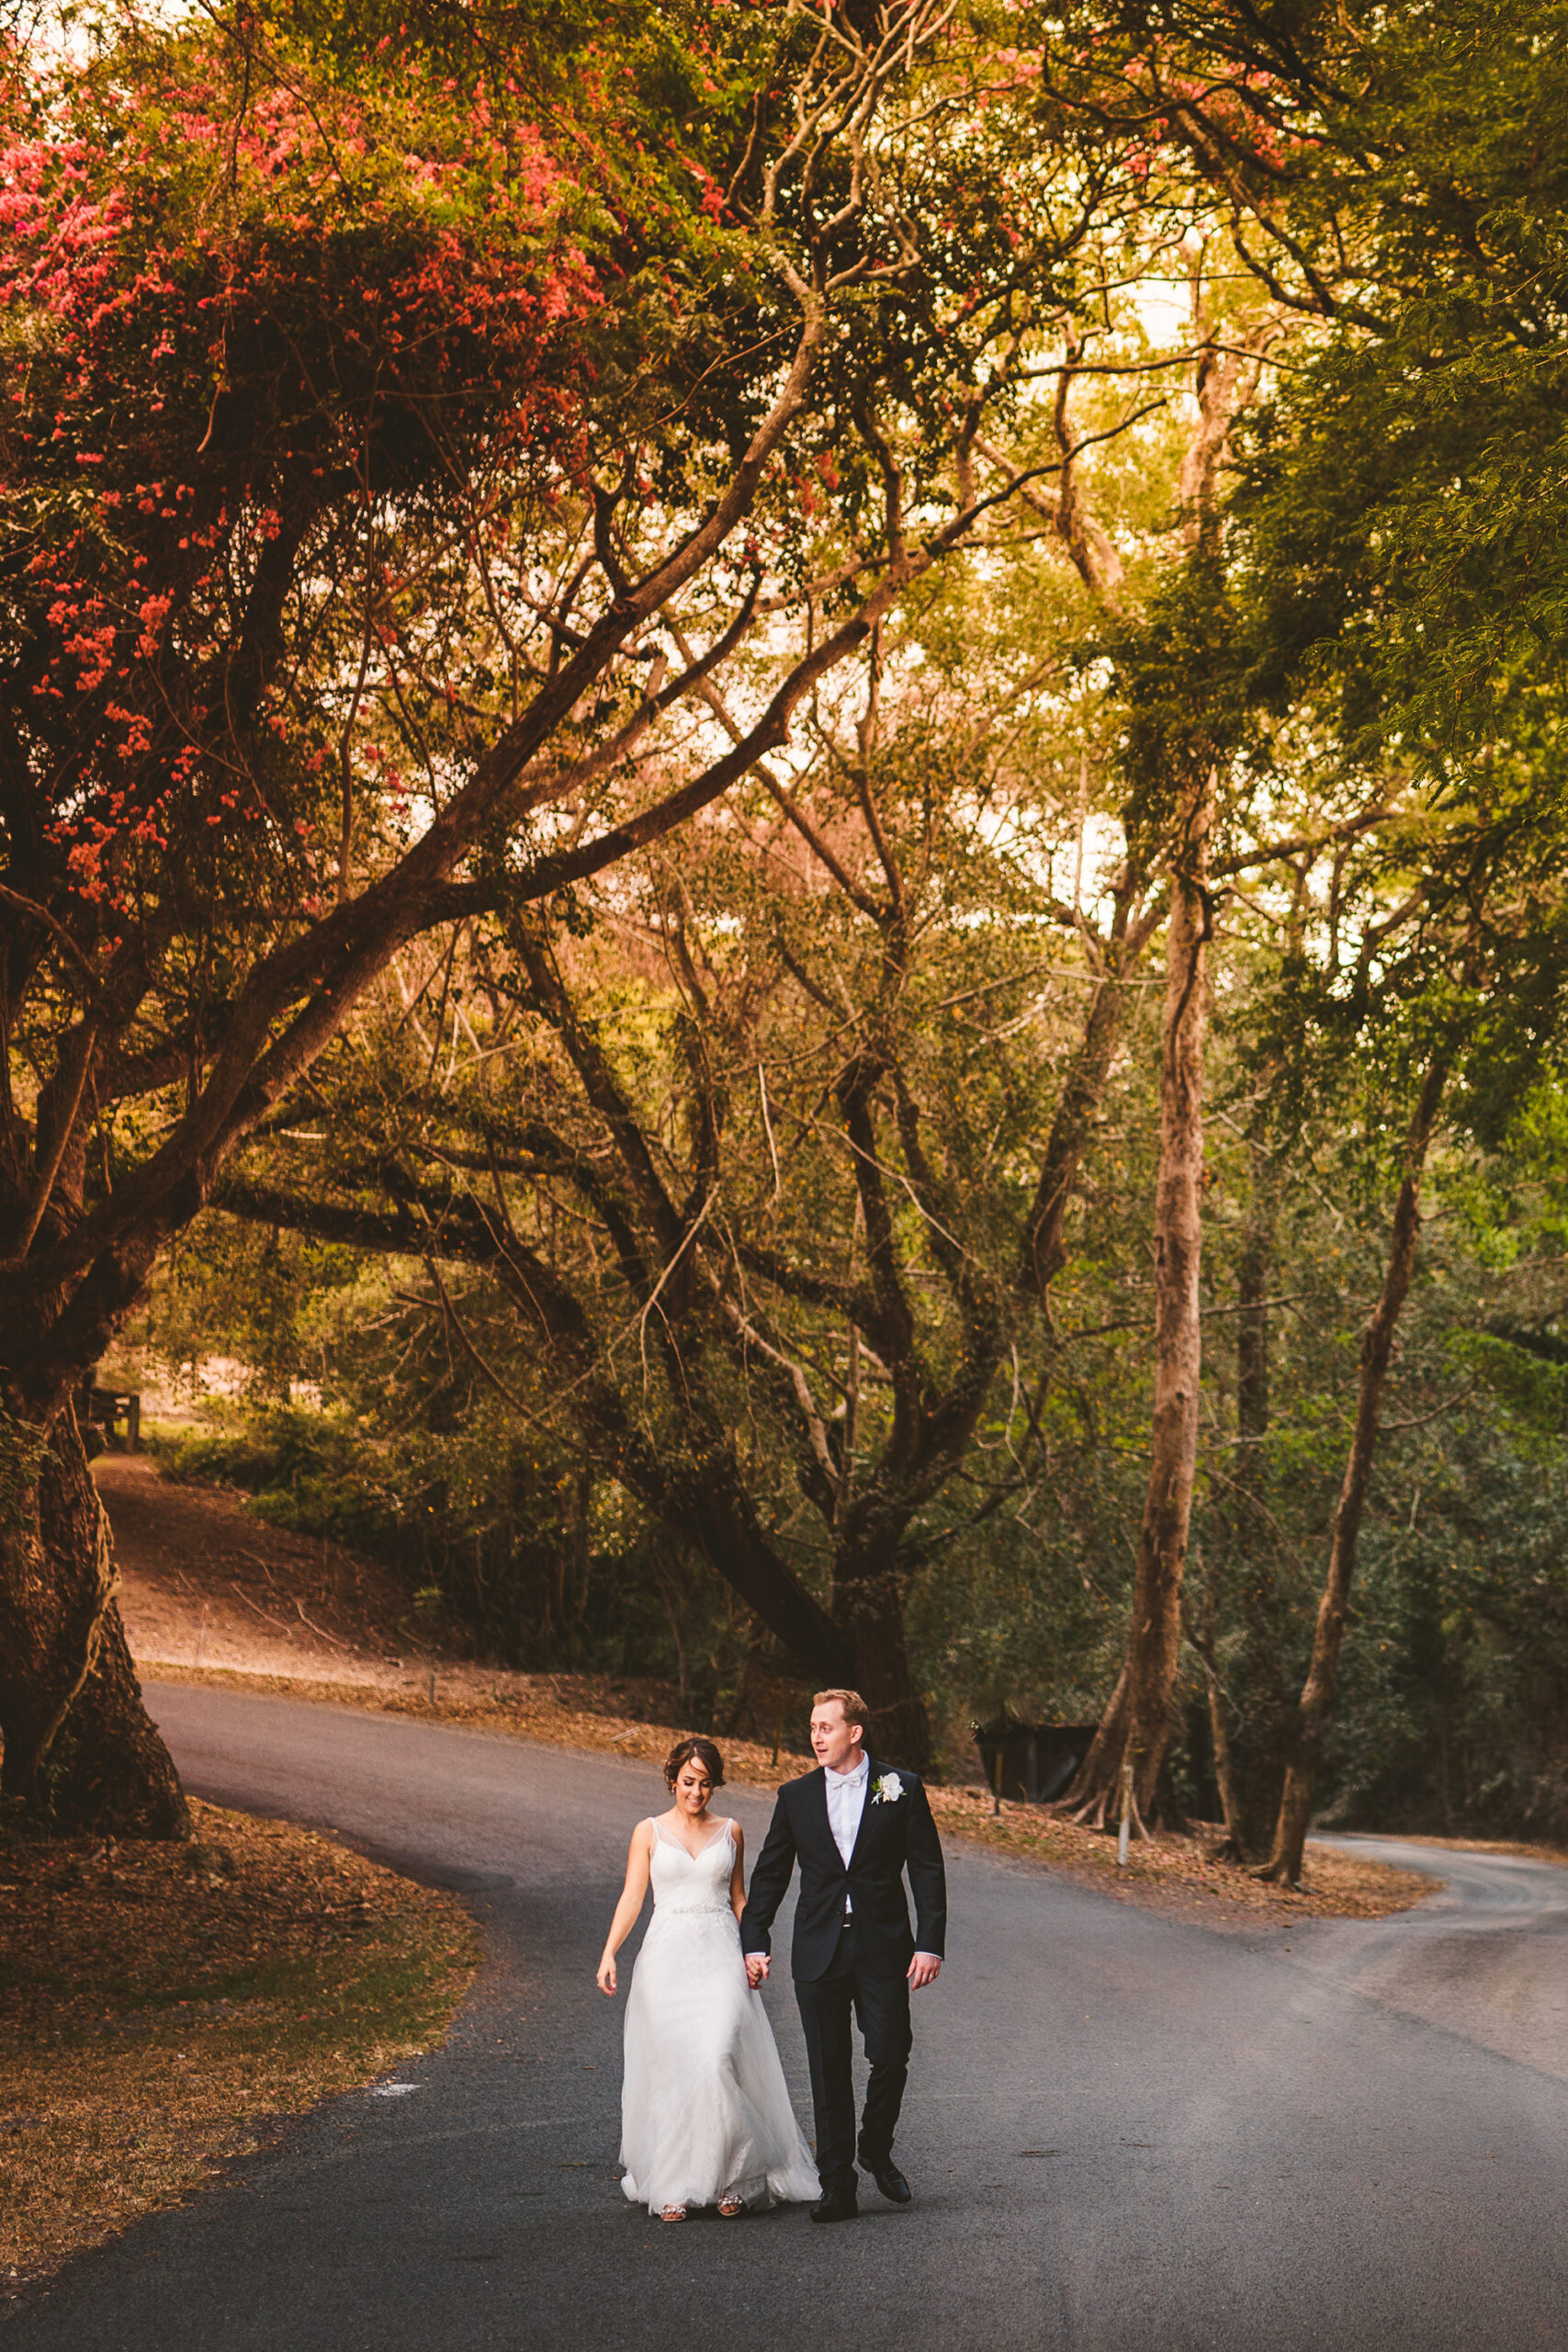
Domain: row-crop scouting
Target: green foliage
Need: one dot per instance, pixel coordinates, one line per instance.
(1404, 498)
(21, 1457)
(1456, 1676)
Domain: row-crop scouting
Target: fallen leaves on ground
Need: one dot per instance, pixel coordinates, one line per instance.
(1169, 1873)
(161, 2004)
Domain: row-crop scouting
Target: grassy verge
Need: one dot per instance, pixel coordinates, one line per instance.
(1174, 1872)
(160, 2005)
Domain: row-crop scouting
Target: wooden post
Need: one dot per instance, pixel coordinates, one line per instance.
(997, 1783)
(1125, 1831)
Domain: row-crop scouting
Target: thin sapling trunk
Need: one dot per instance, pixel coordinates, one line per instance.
(1284, 1864)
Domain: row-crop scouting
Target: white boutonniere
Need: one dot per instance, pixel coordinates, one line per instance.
(889, 1788)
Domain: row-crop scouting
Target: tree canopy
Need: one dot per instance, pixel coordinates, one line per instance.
(821, 745)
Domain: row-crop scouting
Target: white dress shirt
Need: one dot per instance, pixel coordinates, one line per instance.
(846, 1803)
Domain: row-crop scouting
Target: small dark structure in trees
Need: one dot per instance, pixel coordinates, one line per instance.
(1032, 1763)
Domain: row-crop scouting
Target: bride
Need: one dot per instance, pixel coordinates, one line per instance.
(706, 2118)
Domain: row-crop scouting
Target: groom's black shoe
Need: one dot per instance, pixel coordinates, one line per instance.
(889, 2179)
(838, 2206)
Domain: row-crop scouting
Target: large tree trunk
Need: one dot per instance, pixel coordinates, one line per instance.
(868, 1603)
(1137, 1721)
(859, 1640)
(1284, 1864)
(80, 1750)
(716, 1515)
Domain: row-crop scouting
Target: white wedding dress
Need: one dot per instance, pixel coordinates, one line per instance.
(705, 2109)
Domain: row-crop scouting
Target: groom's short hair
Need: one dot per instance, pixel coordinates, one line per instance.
(854, 1706)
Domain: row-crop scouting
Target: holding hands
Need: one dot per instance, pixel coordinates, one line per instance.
(924, 1969)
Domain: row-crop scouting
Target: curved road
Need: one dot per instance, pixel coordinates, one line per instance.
(1123, 2130)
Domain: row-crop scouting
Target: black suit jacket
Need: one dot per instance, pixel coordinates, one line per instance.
(896, 1835)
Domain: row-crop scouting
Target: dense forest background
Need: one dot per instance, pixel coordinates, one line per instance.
(404, 1416)
(784, 829)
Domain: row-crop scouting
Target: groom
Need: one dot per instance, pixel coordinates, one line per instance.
(855, 1826)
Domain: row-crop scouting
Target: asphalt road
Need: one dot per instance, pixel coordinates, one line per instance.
(1123, 2130)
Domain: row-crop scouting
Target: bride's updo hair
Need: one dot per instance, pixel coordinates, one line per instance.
(697, 1751)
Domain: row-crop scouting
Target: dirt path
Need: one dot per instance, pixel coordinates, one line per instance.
(208, 1589)
(204, 1581)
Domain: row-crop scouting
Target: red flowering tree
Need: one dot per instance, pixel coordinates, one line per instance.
(386, 480)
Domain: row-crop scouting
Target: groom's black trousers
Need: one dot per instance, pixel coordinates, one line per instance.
(881, 2006)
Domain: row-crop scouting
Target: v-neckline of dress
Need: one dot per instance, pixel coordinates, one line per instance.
(681, 1848)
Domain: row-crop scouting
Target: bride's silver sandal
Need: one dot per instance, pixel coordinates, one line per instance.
(673, 2213)
(732, 2207)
